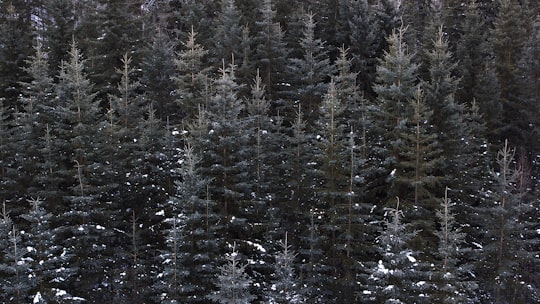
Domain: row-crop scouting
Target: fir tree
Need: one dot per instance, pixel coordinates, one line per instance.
(509, 37)
(17, 32)
(507, 246)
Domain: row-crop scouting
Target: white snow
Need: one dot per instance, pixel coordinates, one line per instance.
(37, 298)
(60, 292)
(410, 257)
(381, 268)
(160, 213)
(478, 245)
(256, 245)
(99, 227)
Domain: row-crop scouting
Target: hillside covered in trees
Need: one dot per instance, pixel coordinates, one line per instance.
(269, 151)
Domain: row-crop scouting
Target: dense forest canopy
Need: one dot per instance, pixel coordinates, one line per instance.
(269, 151)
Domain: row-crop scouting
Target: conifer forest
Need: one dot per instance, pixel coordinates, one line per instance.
(270, 151)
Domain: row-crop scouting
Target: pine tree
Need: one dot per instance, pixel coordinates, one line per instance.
(78, 135)
(509, 37)
(529, 83)
(416, 175)
(59, 27)
(233, 283)
(17, 281)
(17, 36)
(116, 30)
(228, 35)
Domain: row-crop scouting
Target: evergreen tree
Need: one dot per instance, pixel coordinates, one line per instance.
(285, 287)
(59, 27)
(158, 70)
(503, 267)
(398, 276)
(17, 34)
(311, 70)
(416, 176)
(454, 276)
(193, 240)
(228, 35)
(509, 37)
(17, 281)
(83, 231)
(271, 52)
(116, 30)
(529, 83)
(233, 283)
(395, 88)
(192, 81)
(48, 259)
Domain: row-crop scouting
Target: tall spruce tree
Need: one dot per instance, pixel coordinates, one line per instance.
(311, 71)
(397, 277)
(509, 37)
(158, 70)
(395, 87)
(271, 52)
(453, 276)
(507, 249)
(192, 79)
(193, 238)
(17, 31)
(233, 283)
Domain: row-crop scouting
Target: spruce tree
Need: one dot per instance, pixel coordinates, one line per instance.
(59, 27)
(271, 52)
(116, 30)
(228, 35)
(158, 70)
(311, 71)
(285, 286)
(508, 248)
(17, 36)
(233, 283)
(509, 37)
(397, 277)
(453, 276)
(395, 87)
(48, 259)
(193, 79)
(17, 281)
(193, 240)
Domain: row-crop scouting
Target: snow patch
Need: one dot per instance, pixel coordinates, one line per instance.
(410, 257)
(256, 245)
(37, 298)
